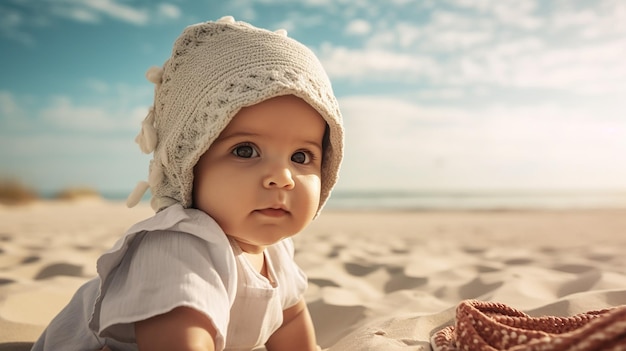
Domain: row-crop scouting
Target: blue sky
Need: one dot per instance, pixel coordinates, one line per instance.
(436, 95)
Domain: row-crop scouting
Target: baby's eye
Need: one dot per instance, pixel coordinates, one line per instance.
(245, 151)
(302, 157)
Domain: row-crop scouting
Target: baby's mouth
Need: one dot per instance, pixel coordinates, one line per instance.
(273, 212)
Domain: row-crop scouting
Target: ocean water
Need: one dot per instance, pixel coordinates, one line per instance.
(411, 200)
(416, 200)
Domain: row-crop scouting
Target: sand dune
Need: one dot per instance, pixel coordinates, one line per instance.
(377, 280)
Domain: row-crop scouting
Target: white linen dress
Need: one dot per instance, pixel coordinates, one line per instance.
(178, 257)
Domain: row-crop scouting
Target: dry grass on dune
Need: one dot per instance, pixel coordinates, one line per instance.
(77, 193)
(14, 192)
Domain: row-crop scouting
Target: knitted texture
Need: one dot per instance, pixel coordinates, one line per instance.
(490, 326)
(217, 68)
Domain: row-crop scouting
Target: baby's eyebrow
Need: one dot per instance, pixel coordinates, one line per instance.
(313, 143)
(243, 135)
(237, 135)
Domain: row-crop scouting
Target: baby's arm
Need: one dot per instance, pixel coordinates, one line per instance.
(296, 333)
(183, 329)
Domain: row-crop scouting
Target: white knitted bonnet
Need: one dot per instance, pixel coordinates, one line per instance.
(217, 68)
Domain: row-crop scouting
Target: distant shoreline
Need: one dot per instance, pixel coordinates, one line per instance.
(453, 200)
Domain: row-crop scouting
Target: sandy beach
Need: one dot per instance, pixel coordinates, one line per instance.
(377, 280)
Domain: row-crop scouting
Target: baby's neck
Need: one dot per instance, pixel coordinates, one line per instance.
(257, 260)
(249, 248)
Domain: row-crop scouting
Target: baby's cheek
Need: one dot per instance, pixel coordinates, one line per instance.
(313, 184)
(312, 187)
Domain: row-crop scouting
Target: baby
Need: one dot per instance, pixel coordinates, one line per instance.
(247, 140)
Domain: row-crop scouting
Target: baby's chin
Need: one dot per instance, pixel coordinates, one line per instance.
(258, 245)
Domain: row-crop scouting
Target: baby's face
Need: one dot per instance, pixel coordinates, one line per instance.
(260, 180)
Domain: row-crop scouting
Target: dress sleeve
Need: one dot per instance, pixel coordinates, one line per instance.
(163, 270)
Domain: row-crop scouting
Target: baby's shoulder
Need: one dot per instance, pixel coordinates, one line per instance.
(180, 243)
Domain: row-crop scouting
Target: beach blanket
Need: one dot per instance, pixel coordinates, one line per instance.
(481, 325)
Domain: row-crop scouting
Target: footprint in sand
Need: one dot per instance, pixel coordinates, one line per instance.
(30, 259)
(398, 280)
(60, 269)
(323, 282)
(360, 269)
(4, 281)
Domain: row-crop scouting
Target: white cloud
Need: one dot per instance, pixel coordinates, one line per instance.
(60, 145)
(15, 26)
(67, 160)
(518, 13)
(8, 106)
(447, 93)
(63, 113)
(70, 141)
(454, 40)
(118, 108)
(610, 20)
(474, 57)
(169, 11)
(317, 2)
(445, 32)
(358, 27)
(592, 69)
(402, 2)
(391, 143)
(406, 34)
(116, 10)
(493, 43)
(92, 11)
(574, 19)
(515, 13)
(295, 22)
(98, 86)
(56, 143)
(12, 114)
(525, 45)
(341, 62)
(77, 14)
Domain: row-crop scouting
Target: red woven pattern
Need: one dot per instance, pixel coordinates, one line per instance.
(491, 326)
